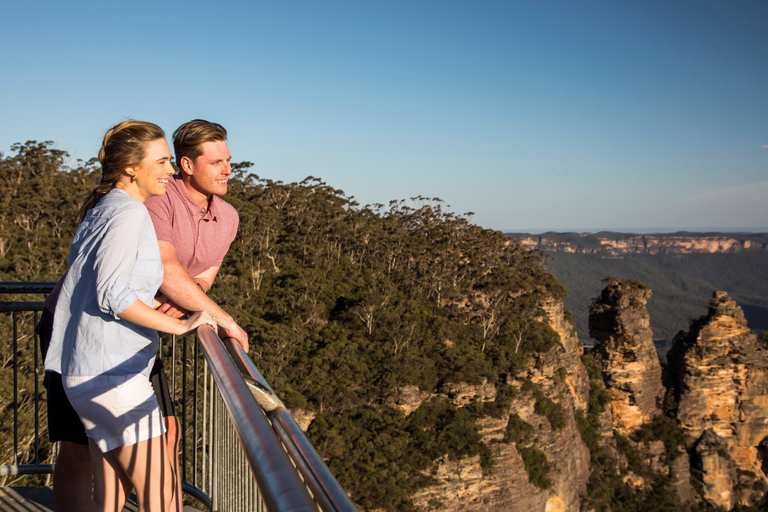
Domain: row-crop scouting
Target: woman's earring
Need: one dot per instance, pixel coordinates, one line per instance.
(133, 178)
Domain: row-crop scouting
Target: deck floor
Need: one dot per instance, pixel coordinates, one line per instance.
(34, 499)
(40, 499)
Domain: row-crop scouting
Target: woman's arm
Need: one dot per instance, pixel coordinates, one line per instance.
(141, 314)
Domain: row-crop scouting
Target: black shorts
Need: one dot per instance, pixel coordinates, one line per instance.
(63, 422)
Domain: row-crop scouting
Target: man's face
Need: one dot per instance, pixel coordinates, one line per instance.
(211, 170)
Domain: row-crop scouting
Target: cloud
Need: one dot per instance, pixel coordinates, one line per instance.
(764, 146)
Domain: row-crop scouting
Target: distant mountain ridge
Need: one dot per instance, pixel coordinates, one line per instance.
(616, 244)
(682, 269)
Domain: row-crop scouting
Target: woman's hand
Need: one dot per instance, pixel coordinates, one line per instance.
(195, 320)
(141, 314)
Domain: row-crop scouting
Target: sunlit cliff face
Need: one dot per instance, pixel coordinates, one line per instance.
(645, 244)
(722, 373)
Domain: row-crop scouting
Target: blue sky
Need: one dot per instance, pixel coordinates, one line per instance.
(564, 115)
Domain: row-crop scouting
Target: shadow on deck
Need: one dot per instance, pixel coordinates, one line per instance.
(40, 499)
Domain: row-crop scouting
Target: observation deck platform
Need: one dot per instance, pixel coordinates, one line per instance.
(241, 451)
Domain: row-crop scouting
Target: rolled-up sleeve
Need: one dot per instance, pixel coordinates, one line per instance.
(115, 259)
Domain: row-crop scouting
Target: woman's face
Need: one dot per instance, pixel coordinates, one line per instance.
(153, 171)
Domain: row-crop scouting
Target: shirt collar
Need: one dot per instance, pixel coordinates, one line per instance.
(192, 204)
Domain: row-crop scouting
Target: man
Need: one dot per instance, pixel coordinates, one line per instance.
(195, 228)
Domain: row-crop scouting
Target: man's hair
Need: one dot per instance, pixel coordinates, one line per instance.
(189, 137)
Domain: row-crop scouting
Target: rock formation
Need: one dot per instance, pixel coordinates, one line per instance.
(576, 377)
(626, 355)
(461, 485)
(721, 371)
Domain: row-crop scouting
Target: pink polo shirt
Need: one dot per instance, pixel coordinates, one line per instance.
(201, 237)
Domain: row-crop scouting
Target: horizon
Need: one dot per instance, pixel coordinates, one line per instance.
(550, 113)
(646, 231)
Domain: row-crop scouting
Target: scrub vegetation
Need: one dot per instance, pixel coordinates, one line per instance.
(345, 304)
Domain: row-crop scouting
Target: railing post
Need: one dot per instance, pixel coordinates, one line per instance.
(37, 393)
(15, 390)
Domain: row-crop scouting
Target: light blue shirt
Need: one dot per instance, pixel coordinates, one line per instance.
(113, 261)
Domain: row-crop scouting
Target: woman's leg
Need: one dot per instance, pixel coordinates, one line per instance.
(111, 485)
(172, 437)
(147, 466)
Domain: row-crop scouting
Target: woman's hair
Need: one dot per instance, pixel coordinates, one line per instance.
(124, 146)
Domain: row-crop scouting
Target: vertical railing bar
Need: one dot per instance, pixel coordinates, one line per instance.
(238, 481)
(205, 443)
(37, 391)
(15, 390)
(214, 447)
(174, 395)
(214, 438)
(194, 413)
(215, 452)
(184, 408)
(228, 454)
(231, 454)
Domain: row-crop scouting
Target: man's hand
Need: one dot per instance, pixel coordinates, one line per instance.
(165, 305)
(229, 329)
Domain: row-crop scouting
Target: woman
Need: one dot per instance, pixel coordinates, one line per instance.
(105, 328)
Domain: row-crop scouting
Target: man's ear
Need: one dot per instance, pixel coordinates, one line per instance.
(187, 166)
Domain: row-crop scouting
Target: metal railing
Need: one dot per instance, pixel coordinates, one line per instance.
(19, 311)
(240, 450)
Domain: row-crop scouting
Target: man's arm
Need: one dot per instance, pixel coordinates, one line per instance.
(205, 279)
(183, 291)
(165, 305)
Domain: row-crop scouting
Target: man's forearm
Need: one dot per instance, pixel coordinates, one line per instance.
(187, 292)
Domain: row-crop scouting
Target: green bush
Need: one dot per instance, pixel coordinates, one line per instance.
(517, 430)
(665, 428)
(537, 466)
(552, 411)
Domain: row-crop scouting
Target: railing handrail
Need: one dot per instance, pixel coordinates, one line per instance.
(280, 485)
(324, 487)
(19, 287)
(27, 286)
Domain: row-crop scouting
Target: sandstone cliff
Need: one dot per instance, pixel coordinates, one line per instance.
(557, 377)
(626, 354)
(616, 244)
(721, 371)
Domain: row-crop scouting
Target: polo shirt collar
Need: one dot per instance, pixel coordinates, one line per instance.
(192, 204)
